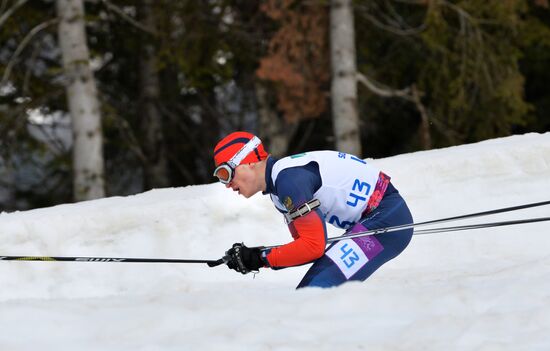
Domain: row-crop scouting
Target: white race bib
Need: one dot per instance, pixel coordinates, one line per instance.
(348, 256)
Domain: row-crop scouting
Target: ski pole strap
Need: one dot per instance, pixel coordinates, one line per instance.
(302, 210)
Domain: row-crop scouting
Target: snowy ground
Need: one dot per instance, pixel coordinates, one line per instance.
(478, 290)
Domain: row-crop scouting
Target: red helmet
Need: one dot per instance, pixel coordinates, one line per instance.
(234, 149)
(228, 147)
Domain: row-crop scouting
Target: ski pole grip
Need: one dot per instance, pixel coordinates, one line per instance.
(217, 262)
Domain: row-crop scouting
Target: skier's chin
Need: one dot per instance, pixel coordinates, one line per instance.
(245, 195)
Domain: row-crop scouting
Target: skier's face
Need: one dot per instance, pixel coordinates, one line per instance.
(245, 181)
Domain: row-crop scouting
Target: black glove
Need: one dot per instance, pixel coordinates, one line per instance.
(244, 259)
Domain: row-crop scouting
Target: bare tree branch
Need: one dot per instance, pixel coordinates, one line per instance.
(396, 26)
(458, 9)
(22, 46)
(129, 19)
(392, 29)
(398, 18)
(130, 137)
(414, 2)
(17, 116)
(10, 11)
(381, 90)
(53, 141)
(411, 94)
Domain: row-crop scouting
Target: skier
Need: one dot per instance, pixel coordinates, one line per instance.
(310, 189)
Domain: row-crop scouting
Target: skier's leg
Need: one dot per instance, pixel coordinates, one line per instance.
(358, 258)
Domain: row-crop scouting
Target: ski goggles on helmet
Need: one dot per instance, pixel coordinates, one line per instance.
(226, 171)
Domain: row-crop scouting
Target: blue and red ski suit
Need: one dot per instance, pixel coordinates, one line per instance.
(354, 196)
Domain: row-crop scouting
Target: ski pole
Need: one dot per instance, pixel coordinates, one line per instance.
(435, 230)
(435, 221)
(442, 220)
(214, 263)
(480, 226)
(210, 263)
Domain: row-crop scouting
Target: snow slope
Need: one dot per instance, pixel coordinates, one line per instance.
(478, 290)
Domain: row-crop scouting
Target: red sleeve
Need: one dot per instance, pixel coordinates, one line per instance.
(309, 234)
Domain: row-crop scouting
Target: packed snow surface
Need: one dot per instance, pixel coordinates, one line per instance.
(475, 290)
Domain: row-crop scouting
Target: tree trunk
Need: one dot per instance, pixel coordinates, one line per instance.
(424, 129)
(7, 185)
(274, 131)
(156, 165)
(344, 83)
(88, 168)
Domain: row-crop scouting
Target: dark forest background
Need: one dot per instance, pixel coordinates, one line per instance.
(173, 77)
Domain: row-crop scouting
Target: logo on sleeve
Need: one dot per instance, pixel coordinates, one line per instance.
(288, 203)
